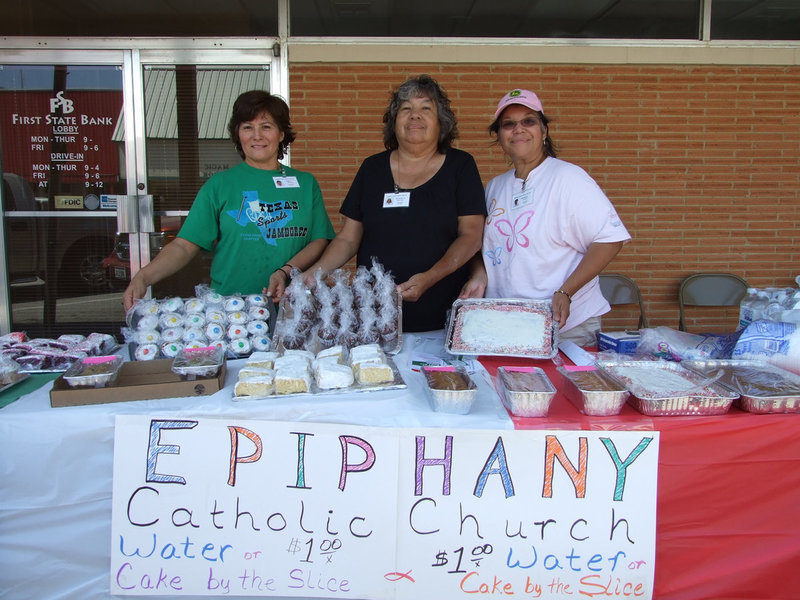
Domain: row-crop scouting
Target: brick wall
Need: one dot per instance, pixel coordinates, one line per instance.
(701, 162)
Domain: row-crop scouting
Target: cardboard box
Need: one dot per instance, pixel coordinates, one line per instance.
(621, 342)
(138, 380)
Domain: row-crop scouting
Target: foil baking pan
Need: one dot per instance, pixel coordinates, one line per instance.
(661, 388)
(513, 314)
(593, 392)
(525, 391)
(448, 399)
(763, 387)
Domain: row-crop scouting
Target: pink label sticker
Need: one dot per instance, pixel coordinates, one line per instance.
(450, 368)
(204, 349)
(93, 360)
(521, 369)
(579, 368)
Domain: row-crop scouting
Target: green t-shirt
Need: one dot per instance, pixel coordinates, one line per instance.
(255, 221)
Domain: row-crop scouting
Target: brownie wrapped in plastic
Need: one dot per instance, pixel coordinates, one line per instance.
(9, 371)
(450, 389)
(94, 371)
(526, 391)
(192, 363)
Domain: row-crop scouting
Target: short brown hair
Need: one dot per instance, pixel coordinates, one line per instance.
(257, 102)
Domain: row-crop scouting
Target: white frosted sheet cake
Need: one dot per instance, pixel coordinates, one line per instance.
(502, 327)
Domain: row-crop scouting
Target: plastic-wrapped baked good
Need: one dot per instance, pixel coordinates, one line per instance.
(170, 319)
(147, 336)
(195, 320)
(171, 349)
(255, 300)
(259, 343)
(173, 334)
(259, 313)
(237, 317)
(257, 327)
(234, 304)
(236, 332)
(215, 331)
(191, 334)
(146, 352)
(192, 363)
(214, 315)
(93, 371)
(194, 305)
(240, 346)
(171, 305)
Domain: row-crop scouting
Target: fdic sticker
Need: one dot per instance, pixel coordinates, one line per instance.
(69, 202)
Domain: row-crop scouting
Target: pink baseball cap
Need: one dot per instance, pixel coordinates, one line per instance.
(523, 97)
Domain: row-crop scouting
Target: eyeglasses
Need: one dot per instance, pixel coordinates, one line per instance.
(527, 123)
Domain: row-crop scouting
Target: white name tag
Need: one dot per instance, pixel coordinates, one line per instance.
(286, 182)
(397, 200)
(521, 199)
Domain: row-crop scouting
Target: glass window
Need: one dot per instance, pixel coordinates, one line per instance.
(61, 167)
(187, 109)
(643, 19)
(755, 20)
(189, 18)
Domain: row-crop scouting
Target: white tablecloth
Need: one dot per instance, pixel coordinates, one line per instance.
(56, 466)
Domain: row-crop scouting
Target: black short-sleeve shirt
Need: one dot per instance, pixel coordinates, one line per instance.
(409, 240)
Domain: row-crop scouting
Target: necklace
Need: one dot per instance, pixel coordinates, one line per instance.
(413, 178)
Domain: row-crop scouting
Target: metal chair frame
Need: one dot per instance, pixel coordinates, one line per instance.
(710, 289)
(619, 289)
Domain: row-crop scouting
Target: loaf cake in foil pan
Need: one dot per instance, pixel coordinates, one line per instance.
(525, 391)
(592, 391)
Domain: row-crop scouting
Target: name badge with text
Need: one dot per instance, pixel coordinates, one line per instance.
(522, 198)
(397, 200)
(286, 182)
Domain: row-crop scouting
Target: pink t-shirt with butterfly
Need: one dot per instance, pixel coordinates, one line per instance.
(538, 230)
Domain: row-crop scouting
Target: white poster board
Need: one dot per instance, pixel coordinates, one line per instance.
(262, 508)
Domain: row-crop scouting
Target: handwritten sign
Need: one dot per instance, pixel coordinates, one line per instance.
(260, 508)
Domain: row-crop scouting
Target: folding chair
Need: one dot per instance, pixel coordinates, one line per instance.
(710, 289)
(619, 289)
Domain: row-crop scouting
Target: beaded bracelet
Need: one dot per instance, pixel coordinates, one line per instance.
(566, 294)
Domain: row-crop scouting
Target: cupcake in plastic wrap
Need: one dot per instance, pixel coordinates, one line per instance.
(237, 317)
(146, 352)
(171, 305)
(215, 331)
(171, 349)
(194, 305)
(170, 319)
(214, 315)
(193, 333)
(240, 346)
(234, 304)
(236, 332)
(259, 343)
(172, 334)
(257, 327)
(255, 300)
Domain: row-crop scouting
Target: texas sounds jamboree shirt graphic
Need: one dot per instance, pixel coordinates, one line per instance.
(272, 218)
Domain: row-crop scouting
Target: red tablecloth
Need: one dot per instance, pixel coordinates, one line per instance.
(728, 507)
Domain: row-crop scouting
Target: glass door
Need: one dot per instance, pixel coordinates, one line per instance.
(60, 163)
(100, 162)
(187, 108)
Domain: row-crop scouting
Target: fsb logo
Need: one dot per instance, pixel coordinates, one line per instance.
(59, 101)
